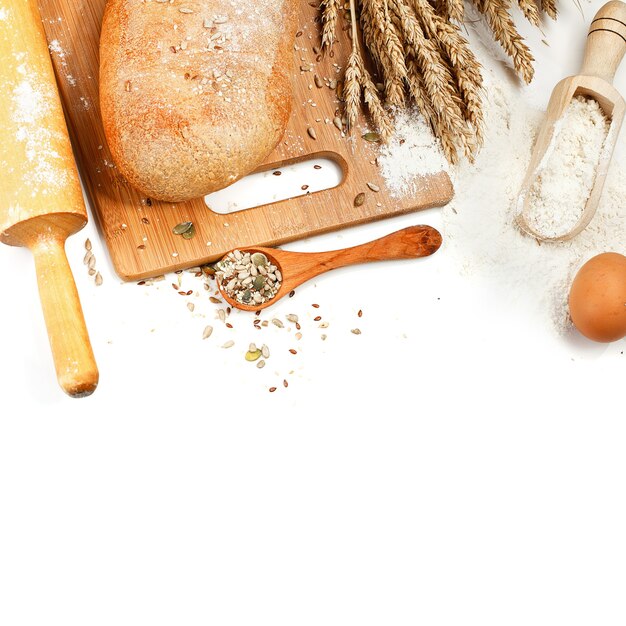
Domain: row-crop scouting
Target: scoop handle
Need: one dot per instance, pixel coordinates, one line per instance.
(606, 41)
(74, 361)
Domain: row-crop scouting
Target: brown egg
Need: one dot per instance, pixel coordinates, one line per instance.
(597, 299)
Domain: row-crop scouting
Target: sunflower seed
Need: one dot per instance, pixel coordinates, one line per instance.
(207, 332)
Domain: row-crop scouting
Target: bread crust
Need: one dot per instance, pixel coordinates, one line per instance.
(194, 94)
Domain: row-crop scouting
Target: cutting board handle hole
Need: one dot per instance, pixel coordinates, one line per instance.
(280, 181)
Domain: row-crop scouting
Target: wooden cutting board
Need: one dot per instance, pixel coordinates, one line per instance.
(138, 231)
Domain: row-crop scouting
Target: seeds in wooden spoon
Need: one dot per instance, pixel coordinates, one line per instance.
(248, 278)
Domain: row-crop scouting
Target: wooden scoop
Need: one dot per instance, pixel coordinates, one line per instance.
(41, 201)
(606, 45)
(298, 267)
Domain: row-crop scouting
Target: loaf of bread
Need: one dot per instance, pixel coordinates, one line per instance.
(194, 94)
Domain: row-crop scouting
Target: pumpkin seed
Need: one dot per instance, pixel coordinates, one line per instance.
(259, 259)
(372, 137)
(259, 283)
(182, 228)
(189, 234)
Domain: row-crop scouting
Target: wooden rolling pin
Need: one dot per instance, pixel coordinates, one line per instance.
(41, 201)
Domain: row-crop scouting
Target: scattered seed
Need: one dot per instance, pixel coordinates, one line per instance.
(355, 331)
(253, 355)
(207, 332)
(315, 306)
(311, 131)
(317, 319)
(371, 137)
(98, 279)
(215, 300)
(359, 199)
(293, 351)
(265, 351)
(360, 313)
(229, 344)
(182, 228)
(191, 306)
(87, 244)
(272, 389)
(278, 323)
(292, 294)
(292, 317)
(285, 383)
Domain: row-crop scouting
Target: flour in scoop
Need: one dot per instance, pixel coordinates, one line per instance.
(566, 175)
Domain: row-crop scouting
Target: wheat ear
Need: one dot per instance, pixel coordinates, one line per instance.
(330, 13)
(503, 28)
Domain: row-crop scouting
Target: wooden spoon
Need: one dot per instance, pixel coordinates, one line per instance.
(606, 45)
(298, 267)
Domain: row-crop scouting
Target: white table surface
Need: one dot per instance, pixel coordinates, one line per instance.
(455, 463)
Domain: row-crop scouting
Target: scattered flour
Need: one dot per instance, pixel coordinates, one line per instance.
(567, 172)
(412, 153)
(479, 225)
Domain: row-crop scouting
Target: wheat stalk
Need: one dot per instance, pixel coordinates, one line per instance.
(500, 22)
(330, 13)
(421, 56)
(358, 82)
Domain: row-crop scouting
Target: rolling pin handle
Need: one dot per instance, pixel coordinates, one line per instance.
(74, 361)
(606, 41)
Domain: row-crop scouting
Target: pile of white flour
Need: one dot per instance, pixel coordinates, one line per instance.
(479, 224)
(567, 172)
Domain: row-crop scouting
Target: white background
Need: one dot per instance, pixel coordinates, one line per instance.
(455, 463)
